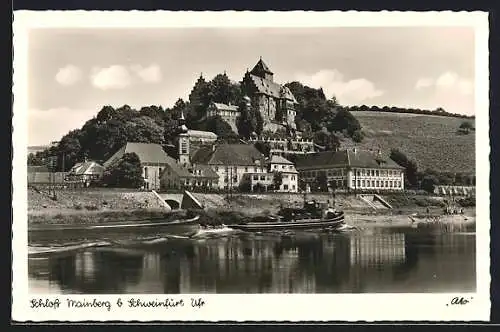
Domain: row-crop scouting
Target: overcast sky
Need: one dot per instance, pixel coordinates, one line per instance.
(74, 72)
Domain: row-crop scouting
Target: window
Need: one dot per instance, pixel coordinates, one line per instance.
(363, 183)
(359, 183)
(285, 176)
(216, 168)
(275, 166)
(293, 187)
(246, 169)
(159, 170)
(386, 183)
(358, 173)
(255, 177)
(256, 169)
(285, 187)
(293, 177)
(146, 173)
(373, 183)
(184, 147)
(262, 177)
(225, 179)
(378, 183)
(376, 173)
(283, 167)
(373, 172)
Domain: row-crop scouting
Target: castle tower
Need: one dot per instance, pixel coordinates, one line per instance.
(262, 70)
(183, 141)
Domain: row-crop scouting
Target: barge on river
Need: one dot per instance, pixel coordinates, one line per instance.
(309, 217)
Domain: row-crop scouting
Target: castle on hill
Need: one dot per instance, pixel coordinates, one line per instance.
(275, 102)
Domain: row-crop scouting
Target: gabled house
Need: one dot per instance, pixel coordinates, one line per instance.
(153, 161)
(86, 172)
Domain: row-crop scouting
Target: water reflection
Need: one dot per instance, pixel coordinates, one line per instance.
(355, 263)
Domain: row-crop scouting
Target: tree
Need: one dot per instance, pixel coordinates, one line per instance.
(321, 182)
(218, 126)
(127, 173)
(250, 120)
(35, 159)
(410, 166)
(144, 129)
(221, 89)
(264, 148)
(328, 140)
(428, 183)
(277, 180)
(69, 150)
(466, 127)
(357, 136)
(344, 120)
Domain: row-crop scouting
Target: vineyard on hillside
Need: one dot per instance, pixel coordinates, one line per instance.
(432, 141)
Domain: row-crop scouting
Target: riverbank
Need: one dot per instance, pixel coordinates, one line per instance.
(103, 206)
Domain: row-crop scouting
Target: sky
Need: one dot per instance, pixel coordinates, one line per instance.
(73, 73)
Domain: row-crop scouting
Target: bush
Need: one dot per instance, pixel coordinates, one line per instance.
(92, 207)
(77, 206)
(467, 202)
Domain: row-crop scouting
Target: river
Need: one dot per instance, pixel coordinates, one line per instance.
(374, 261)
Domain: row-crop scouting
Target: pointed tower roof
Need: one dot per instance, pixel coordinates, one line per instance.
(182, 123)
(261, 67)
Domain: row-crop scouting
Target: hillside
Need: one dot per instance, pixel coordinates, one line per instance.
(431, 141)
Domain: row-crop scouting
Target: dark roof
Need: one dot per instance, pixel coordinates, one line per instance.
(147, 153)
(228, 154)
(266, 87)
(270, 88)
(261, 67)
(191, 171)
(363, 159)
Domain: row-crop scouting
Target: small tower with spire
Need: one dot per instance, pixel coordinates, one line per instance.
(183, 139)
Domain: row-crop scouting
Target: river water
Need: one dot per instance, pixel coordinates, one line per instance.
(380, 261)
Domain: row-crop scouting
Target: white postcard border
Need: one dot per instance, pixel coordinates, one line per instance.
(251, 307)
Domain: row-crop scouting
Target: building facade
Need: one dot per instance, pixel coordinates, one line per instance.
(228, 113)
(351, 169)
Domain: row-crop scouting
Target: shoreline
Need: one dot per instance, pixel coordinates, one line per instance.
(363, 219)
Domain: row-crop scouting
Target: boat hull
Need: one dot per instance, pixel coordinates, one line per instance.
(187, 227)
(304, 224)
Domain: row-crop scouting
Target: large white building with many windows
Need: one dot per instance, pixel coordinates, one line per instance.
(351, 169)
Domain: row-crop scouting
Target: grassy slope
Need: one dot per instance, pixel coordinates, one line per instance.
(430, 140)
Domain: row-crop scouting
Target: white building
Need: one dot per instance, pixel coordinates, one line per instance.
(352, 169)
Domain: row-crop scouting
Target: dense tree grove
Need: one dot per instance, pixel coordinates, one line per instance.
(386, 109)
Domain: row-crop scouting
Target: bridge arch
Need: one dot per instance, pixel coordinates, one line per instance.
(174, 204)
